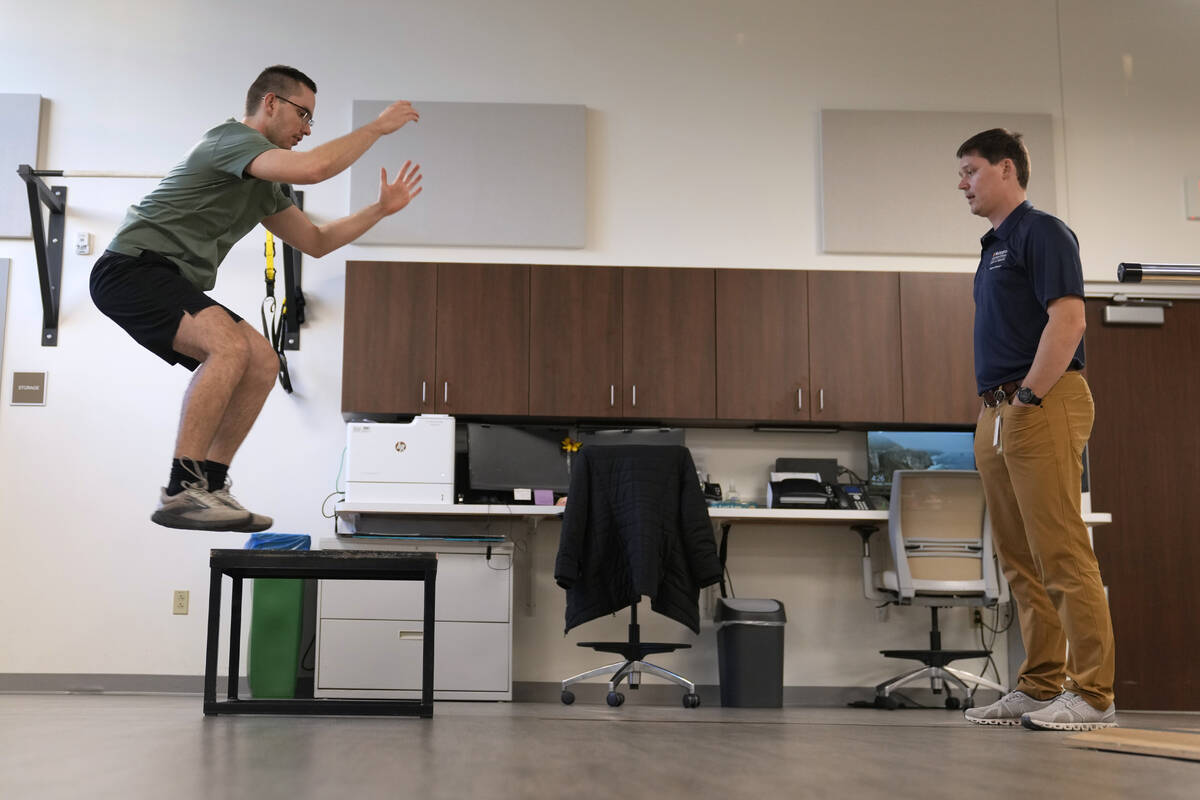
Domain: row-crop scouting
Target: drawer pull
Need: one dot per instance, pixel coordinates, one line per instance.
(416, 636)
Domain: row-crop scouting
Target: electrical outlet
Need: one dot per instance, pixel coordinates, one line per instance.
(179, 605)
(83, 244)
(977, 618)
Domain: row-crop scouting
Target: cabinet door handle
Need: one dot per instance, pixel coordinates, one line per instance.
(422, 392)
(635, 394)
(821, 399)
(612, 395)
(799, 399)
(446, 392)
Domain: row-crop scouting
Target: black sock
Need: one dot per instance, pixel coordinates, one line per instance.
(216, 472)
(183, 469)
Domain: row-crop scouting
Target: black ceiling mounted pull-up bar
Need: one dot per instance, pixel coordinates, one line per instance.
(48, 248)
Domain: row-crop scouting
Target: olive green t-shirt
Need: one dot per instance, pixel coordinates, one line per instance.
(204, 205)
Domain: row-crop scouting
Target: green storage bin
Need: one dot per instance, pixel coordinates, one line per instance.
(276, 623)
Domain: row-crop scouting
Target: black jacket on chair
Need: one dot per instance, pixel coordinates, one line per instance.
(635, 524)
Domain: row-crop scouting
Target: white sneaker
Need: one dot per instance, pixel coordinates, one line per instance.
(1070, 712)
(197, 509)
(256, 523)
(1007, 710)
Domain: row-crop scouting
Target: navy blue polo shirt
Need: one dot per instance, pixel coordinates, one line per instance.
(1030, 260)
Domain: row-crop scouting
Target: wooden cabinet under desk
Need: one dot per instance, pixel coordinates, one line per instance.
(369, 632)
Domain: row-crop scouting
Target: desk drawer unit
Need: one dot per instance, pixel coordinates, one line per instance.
(369, 633)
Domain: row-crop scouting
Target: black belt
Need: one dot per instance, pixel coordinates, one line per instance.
(999, 394)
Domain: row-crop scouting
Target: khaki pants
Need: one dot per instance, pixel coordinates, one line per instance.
(1032, 482)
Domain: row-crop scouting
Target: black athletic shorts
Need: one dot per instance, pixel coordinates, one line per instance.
(148, 297)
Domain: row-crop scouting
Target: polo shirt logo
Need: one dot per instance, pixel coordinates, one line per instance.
(998, 259)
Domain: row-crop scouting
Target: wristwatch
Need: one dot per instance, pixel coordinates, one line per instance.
(1026, 396)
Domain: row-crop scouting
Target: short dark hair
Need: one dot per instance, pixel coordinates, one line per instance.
(276, 80)
(996, 145)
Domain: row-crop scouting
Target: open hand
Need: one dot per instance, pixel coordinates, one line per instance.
(397, 194)
(395, 116)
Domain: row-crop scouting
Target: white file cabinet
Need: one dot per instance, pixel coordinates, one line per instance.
(369, 633)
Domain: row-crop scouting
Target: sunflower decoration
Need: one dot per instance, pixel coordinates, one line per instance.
(569, 446)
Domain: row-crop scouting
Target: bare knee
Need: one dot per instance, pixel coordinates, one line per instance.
(264, 361)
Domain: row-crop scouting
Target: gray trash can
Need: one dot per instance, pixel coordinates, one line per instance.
(750, 652)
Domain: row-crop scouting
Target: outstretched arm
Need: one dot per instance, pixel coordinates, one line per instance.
(326, 160)
(294, 227)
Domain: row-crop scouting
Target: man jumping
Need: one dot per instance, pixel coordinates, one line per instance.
(153, 277)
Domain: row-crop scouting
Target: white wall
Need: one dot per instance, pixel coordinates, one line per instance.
(703, 121)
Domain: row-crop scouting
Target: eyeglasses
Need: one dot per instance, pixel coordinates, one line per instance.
(305, 115)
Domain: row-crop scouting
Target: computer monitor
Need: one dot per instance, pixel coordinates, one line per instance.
(888, 451)
(506, 457)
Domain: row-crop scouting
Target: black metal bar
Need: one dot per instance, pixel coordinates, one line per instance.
(345, 708)
(235, 637)
(47, 249)
(46, 193)
(427, 645)
(293, 296)
(214, 632)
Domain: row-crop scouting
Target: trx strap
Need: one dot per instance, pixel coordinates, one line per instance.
(274, 330)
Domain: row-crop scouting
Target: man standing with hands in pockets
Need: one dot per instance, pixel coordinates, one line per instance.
(1036, 418)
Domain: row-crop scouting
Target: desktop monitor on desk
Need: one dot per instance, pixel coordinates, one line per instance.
(505, 461)
(888, 451)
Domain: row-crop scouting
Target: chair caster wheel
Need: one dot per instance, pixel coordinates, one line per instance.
(568, 697)
(952, 703)
(615, 699)
(968, 702)
(691, 700)
(886, 701)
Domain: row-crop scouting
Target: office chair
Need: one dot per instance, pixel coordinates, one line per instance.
(635, 525)
(940, 539)
(634, 651)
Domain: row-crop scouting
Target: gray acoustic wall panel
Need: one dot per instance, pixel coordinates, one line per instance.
(496, 174)
(20, 116)
(888, 179)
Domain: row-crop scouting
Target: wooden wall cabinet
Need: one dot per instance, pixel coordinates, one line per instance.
(762, 345)
(388, 350)
(668, 343)
(575, 342)
(436, 338)
(482, 339)
(937, 325)
(854, 347)
(659, 343)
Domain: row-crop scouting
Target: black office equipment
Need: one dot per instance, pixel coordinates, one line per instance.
(504, 458)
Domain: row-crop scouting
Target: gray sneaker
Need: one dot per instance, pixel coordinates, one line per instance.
(256, 523)
(1007, 710)
(197, 509)
(1070, 712)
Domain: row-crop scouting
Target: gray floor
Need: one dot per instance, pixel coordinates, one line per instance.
(155, 746)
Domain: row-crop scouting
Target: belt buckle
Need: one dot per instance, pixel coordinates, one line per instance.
(998, 395)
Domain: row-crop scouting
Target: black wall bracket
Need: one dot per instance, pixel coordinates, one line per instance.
(47, 244)
(293, 297)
